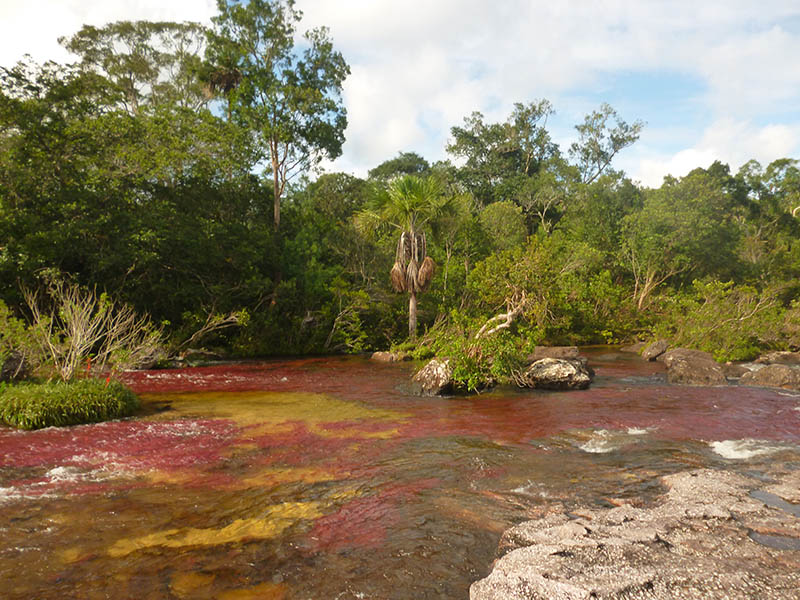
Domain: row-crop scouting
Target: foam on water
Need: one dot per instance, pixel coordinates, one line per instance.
(639, 430)
(744, 449)
(603, 441)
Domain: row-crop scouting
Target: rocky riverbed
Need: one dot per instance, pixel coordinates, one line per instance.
(712, 535)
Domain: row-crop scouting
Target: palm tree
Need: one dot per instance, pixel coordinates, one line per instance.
(409, 204)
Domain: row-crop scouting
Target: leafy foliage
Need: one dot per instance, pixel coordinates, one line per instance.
(38, 405)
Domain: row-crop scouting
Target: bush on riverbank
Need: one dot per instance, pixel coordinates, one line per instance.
(38, 405)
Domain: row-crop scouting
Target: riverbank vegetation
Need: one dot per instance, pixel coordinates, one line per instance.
(172, 168)
(37, 405)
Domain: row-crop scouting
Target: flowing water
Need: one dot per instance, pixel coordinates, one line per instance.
(324, 478)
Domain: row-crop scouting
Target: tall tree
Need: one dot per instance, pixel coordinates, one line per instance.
(409, 205)
(289, 97)
(600, 141)
(149, 63)
(500, 157)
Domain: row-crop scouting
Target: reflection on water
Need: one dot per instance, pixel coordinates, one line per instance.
(322, 478)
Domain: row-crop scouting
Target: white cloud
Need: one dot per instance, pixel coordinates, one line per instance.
(34, 26)
(727, 140)
(419, 67)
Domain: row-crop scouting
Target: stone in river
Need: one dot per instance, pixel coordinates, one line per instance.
(693, 367)
(435, 378)
(557, 374)
(778, 376)
(655, 350)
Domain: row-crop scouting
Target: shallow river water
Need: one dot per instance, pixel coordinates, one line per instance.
(324, 478)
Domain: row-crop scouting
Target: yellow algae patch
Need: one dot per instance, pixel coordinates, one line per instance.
(355, 432)
(280, 518)
(71, 555)
(273, 408)
(190, 585)
(289, 475)
(265, 591)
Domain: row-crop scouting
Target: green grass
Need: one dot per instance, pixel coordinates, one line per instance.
(38, 405)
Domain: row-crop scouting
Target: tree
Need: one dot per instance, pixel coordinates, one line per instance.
(599, 142)
(499, 157)
(685, 228)
(504, 224)
(409, 205)
(149, 64)
(290, 99)
(406, 163)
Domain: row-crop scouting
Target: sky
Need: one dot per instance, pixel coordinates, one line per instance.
(711, 79)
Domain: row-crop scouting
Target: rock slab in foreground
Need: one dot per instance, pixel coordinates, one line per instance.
(557, 374)
(698, 543)
(435, 378)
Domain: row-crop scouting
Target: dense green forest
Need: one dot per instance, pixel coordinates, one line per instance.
(174, 168)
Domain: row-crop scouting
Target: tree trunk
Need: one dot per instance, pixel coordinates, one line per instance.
(276, 194)
(412, 315)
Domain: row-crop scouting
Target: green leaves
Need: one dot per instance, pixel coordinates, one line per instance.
(290, 100)
(34, 406)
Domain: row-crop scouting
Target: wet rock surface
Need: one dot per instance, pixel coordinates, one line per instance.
(654, 350)
(775, 375)
(711, 536)
(693, 367)
(557, 374)
(435, 378)
(779, 358)
(388, 357)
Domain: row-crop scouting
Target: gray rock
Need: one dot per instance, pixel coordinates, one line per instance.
(685, 354)
(734, 371)
(696, 543)
(557, 374)
(778, 376)
(435, 378)
(541, 352)
(779, 358)
(386, 357)
(655, 350)
(693, 367)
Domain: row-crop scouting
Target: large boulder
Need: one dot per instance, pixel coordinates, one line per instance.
(541, 352)
(779, 358)
(694, 369)
(654, 350)
(435, 378)
(671, 356)
(777, 376)
(557, 374)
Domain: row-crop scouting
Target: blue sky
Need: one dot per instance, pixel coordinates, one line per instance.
(712, 80)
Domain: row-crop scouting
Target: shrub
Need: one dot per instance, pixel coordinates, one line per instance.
(82, 324)
(482, 361)
(38, 405)
(732, 322)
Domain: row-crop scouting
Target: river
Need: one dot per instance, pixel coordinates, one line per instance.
(324, 478)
